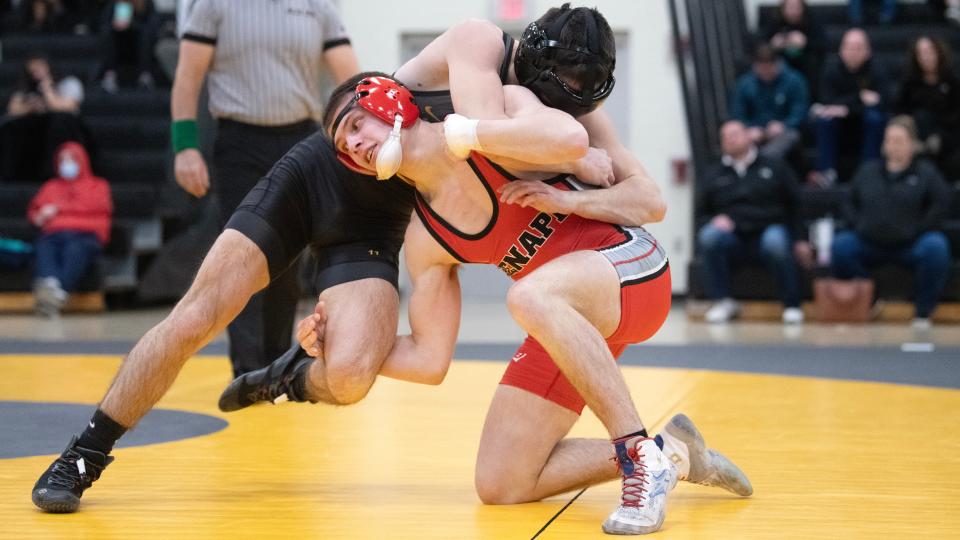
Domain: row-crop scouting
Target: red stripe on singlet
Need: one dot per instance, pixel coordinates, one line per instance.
(644, 256)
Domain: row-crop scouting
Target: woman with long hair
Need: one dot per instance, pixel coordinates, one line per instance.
(930, 92)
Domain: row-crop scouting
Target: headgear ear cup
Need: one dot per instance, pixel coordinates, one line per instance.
(391, 102)
(391, 152)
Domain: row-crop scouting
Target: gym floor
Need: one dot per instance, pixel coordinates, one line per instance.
(844, 430)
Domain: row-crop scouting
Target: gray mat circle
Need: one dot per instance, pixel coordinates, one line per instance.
(37, 428)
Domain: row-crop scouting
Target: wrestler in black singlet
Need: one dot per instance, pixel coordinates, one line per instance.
(354, 223)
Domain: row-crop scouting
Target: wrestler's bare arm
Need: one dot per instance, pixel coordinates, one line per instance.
(531, 131)
(646, 204)
(628, 202)
(465, 60)
(473, 56)
(424, 355)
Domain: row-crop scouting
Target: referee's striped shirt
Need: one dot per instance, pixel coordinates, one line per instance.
(267, 58)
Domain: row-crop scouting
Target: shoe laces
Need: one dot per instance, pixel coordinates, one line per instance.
(634, 485)
(72, 470)
(272, 391)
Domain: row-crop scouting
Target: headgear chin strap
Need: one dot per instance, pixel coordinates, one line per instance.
(538, 56)
(391, 102)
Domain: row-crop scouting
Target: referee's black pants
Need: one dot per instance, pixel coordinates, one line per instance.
(242, 154)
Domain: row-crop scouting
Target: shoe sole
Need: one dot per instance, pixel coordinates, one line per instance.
(618, 529)
(728, 477)
(64, 506)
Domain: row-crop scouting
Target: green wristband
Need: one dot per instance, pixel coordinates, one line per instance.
(184, 134)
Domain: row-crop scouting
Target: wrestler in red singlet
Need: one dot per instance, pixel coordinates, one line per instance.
(518, 240)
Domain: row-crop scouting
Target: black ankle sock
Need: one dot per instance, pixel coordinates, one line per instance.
(641, 433)
(102, 433)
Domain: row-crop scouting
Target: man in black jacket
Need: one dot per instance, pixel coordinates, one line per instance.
(855, 94)
(746, 209)
(894, 209)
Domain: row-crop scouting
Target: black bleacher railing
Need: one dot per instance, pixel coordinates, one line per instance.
(711, 42)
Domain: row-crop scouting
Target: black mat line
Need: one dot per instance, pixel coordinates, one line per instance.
(555, 516)
(878, 364)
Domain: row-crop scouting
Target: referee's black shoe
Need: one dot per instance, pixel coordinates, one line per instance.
(59, 488)
(283, 380)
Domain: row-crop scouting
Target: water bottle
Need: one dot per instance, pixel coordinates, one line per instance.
(822, 232)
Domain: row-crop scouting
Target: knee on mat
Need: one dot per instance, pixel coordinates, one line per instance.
(498, 489)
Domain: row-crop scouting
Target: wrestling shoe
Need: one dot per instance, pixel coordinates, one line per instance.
(648, 477)
(274, 383)
(59, 488)
(684, 446)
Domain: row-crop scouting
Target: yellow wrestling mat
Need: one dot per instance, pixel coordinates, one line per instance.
(828, 459)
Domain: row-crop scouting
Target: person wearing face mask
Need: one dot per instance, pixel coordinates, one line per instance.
(73, 212)
(43, 113)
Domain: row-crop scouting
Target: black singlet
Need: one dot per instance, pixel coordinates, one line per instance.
(354, 223)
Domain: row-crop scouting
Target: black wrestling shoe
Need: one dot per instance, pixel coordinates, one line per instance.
(273, 383)
(59, 489)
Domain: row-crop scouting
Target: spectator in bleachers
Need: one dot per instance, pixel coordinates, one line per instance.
(746, 209)
(895, 208)
(772, 101)
(930, 92)
(42, 113)
(73, 211)
(128, 25)
(799, 39)
(854, 96)
(888, 11)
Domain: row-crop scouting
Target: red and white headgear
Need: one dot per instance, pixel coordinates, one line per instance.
(391, 102)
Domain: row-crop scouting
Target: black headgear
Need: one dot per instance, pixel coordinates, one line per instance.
(538, 55)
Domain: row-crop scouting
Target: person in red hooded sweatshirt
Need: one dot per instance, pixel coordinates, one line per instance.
(73, 211)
